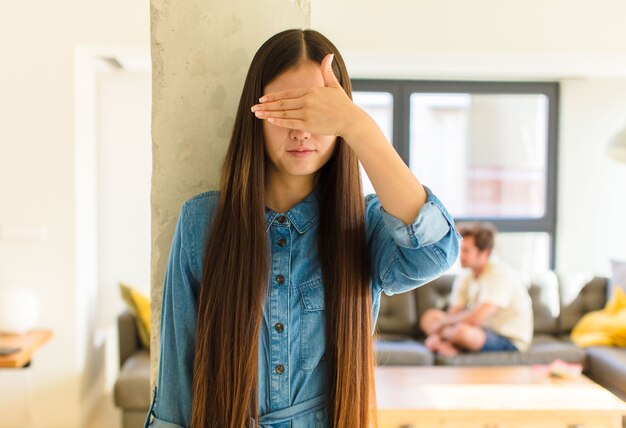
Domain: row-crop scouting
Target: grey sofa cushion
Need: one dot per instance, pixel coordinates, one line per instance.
(543, 350)
(607, 366)
(132, 387)
(402, 353)
(128, 336)
(397, 314)
(544, 293)
(579, 295)
(435, 294)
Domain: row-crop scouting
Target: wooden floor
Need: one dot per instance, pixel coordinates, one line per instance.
(106, 415)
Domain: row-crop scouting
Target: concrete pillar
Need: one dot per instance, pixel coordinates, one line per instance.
(201, 50)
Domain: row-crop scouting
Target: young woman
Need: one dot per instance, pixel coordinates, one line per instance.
(274, 281)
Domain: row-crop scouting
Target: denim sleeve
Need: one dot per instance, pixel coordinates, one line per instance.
(171, 401)
(405, 256)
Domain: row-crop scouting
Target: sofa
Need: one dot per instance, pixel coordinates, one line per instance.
(559, 301)
(131, 392)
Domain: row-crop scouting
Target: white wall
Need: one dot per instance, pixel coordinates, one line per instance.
(580, 44)
(476, 26)
(124, 171)
(37, 189)
(592, 190)
(477, 39)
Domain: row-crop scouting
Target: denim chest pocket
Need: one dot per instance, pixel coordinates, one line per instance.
(312, 324)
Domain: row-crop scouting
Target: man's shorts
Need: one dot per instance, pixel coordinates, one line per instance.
(495, 342)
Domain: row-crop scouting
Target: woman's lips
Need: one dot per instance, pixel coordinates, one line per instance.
(300, 153)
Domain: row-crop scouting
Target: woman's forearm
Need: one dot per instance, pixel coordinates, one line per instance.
(400, 192)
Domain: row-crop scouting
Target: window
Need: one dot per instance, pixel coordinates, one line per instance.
(379, 105)
(487, 149)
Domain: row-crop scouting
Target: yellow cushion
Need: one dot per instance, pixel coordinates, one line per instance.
(606, 327)
(138, 305)
(617, 302)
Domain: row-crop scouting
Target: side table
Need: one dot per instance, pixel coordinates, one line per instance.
(27, 343)
(15, 366)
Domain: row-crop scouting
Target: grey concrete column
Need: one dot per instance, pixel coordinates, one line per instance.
(201, 50)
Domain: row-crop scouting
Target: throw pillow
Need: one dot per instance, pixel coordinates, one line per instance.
(139, 306)
(606, 327)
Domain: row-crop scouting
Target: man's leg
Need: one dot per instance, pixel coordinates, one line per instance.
(428, 323)
(434, 340)
(435, 343)
(465, 336)
(447, 349)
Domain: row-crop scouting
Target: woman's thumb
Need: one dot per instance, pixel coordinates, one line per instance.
(327, 71)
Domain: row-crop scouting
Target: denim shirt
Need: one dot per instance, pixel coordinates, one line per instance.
(292, 368)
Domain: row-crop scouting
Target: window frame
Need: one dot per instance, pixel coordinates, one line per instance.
(401, 91)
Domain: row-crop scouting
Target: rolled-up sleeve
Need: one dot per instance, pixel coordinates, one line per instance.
(405, 256)
(171, 399)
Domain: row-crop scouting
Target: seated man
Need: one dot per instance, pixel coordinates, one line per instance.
(490, 309)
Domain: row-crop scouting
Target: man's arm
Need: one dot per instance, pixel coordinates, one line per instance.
(475, 316)
(455, 309)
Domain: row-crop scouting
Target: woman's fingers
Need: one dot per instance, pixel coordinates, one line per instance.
(319, 110)
(298, 124)
(281, 104)
(291, 121)
(288, 123)
(283, 95)
(279, 114)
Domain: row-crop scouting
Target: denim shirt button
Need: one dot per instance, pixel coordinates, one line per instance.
(280, 369)
(279, 327)
(282, 219)
(280, 279)
(282, 242)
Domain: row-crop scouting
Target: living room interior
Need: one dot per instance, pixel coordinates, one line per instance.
(104, 101)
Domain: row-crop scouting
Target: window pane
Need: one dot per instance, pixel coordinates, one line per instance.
(379, 105)
(485, 155)
(527, 252)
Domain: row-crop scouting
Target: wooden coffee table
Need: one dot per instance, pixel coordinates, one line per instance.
(490, 397)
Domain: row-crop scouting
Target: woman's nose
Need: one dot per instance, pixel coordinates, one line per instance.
(296, 134)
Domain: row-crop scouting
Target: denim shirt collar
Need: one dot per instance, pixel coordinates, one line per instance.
(303, 216)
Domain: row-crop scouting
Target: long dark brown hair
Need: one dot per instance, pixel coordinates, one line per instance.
(236, 264)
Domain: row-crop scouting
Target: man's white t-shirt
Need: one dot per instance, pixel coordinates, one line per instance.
(500, 286)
